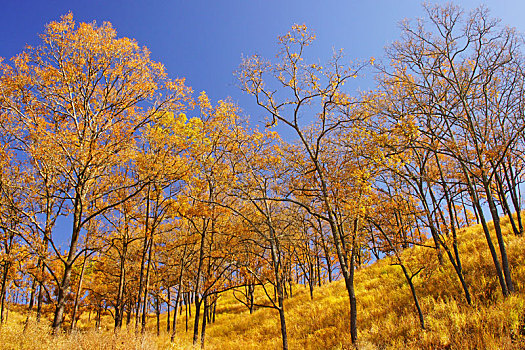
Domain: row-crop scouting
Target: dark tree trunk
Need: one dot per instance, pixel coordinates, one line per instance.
(168, 320)
(504, 204)
(205, 316)
(3, 291)
(186, 307)
(77, 295)
(499, 236)
(157, 313)
(214, 310)
(119, 304)
(146, 286)
(196, 320)
(251, 290)
(414, 295)
(486, 231)
(64, 285)
(143, 259)
(177, 298)
(514, 193)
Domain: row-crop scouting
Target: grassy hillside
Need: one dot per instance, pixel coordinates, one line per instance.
(386, 314)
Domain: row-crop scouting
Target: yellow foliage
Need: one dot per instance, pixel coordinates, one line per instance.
(386, 317)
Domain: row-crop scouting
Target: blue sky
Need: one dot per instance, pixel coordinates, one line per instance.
(203, 41)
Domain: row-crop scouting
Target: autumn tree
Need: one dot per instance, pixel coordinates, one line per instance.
(257, 163)
(74, 105)
(295, 93)
(207, 188)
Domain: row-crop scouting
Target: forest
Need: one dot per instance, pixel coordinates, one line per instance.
(131, 205)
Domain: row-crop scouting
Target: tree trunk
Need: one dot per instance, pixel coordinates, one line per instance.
(499, 236)
(205, 312)
(119, 304)
(197, 286)
(514, 193)
(3, 292)
(251, 290)
(214, 310)
(146, 287)
(64, 285)
(279, 284)
(504, 204)
(177, 298)
(414, 295)
(348, 275)
(186, 307)
(143, 259)
(77, 296)
(481, 217)
(168, 323)
(455, 260)
(196, 320)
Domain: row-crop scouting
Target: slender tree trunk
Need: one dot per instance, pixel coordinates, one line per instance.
(214, 310)
(311, 287)
(143, 259)
(282, 319)
(3, 291)
(276, 262)
(39, 301)
(514, 193)
(318, 262)
(64, 285)
(177, 298)
(205, 312)
(499, 236)
(168, 323)
(251, 290)
(157, 312)
(456, 262)
(197, 285)
(486, 231)
(414, 296)
(348, 275)
(146, 287)
(504, 204)
(119, 305)
(186, 307)
(77, 295)
(430, 219)
(353, 303)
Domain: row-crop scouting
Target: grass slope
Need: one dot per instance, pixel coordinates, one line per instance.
(386, 313)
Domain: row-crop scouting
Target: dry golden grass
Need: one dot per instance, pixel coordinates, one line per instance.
(386, 315)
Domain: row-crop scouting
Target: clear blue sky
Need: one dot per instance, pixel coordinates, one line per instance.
(204, 40)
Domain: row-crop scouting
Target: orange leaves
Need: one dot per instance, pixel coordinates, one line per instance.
(86, 92)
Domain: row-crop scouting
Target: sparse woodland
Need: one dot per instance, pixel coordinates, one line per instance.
(388, 218)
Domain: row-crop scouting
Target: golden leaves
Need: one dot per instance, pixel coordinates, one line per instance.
(298, 34)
